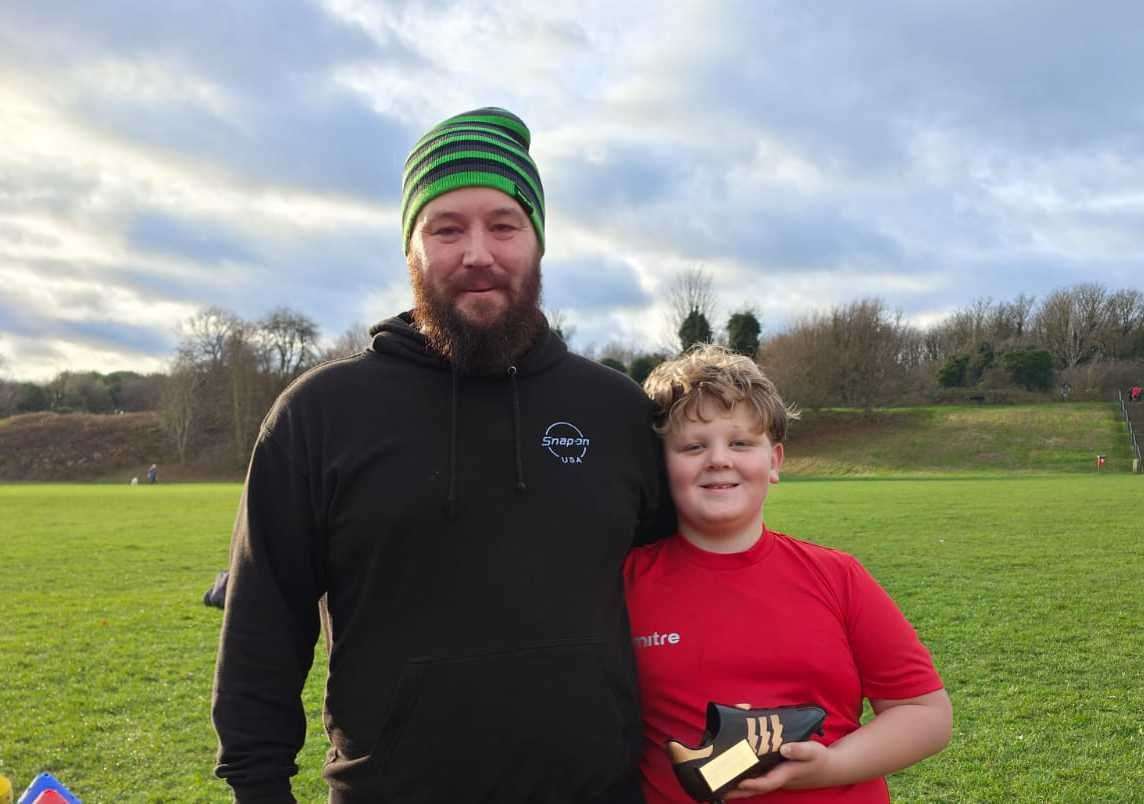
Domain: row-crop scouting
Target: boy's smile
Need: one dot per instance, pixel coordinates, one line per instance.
(719, 472)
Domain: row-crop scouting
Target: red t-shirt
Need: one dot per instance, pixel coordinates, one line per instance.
(784, 623)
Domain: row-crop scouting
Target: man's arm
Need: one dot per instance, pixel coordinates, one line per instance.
(902, 733)
(269, 629)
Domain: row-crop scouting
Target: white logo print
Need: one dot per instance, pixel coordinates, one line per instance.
(656, 639)
(566, 442)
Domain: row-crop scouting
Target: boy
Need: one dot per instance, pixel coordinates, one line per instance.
(731, 612)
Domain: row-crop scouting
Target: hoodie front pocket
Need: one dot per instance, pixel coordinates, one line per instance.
(543, 718)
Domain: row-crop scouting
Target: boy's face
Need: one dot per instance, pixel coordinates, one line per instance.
(719, 472)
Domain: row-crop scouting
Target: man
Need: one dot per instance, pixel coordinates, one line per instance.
(464, 493)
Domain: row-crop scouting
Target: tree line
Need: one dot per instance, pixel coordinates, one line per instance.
(224, 376)
(83, 391)
(1081, 340)
(227, 372)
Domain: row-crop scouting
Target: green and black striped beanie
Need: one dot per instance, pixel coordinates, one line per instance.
(482, 148)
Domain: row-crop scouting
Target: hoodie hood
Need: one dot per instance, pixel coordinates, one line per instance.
(399, 337)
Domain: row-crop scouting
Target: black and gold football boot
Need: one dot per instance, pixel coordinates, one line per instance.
(739, 744)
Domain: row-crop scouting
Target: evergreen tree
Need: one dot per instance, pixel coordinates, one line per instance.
(952, 373)
(643, 365)
(694, 329)
(1030, 368)
(743, 330)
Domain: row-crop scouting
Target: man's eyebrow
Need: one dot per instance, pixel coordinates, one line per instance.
(443, 215)
(507, 210)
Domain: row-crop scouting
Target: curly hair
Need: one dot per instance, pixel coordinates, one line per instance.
(680, 386)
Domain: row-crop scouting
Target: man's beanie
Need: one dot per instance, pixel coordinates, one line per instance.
(482, 148)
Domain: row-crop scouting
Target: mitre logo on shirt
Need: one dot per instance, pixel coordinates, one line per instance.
(656, 639)
(566, 442)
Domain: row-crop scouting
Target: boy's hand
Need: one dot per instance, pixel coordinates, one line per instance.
(903, 731)
(807, 765)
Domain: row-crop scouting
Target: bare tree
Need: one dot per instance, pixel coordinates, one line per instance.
(936, 343)
(690, 297)
(797, 360)
(1070, 322)
(967, 327)
(9, 391)
(856, 354)
(249, 395)
(558, 323)
(1021, 314)
(179, 410)
(289, 342)
(872, 352)
(203, 336)
(355, 338)
(619, 351)
(1124, 323)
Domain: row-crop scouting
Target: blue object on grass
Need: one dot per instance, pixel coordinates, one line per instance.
(45, 781)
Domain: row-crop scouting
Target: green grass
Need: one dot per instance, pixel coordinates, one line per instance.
(1028, 591)
(983, 439)
(106, 651)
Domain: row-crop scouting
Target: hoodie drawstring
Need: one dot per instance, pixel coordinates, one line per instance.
(521, 486)
(518, 451)
(450, 505)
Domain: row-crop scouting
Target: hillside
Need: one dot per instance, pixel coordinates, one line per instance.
(1055, 437)
(1052, 437)
(78, 446)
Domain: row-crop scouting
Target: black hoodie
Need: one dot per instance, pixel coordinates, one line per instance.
(469, 532)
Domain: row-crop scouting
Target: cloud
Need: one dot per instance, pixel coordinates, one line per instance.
(158, 232)
(592, 285)
(158, 158)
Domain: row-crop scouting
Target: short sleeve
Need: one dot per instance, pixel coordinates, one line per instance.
(892, 662)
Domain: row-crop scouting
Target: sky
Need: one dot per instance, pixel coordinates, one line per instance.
(160, 158)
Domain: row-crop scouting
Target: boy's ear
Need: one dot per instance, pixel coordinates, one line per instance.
(777, 456)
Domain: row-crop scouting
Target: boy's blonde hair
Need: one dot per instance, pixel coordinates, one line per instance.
(680, 386)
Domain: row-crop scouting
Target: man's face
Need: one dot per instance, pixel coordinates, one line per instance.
(474, 261)
(476, 248)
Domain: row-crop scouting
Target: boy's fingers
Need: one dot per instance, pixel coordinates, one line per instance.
(800, 751)
(767, 783)
(792, 751)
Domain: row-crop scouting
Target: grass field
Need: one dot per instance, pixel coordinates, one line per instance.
(1029, 592)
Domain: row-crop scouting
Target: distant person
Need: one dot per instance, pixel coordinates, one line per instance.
(153, 474)
(464, 491)
(731, 612)
(1135, 393)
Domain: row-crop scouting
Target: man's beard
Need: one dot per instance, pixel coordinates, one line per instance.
(474, 348)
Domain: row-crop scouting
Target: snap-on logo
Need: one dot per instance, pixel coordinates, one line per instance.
(566, 442)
